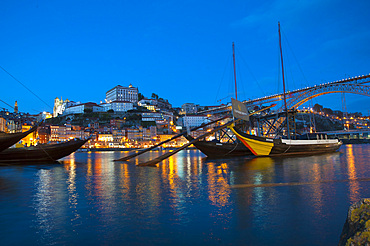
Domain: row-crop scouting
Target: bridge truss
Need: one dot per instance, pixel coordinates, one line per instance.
(298, 97)
(273, 123)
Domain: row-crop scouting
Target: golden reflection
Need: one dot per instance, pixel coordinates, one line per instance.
(193, 169)
(97, 183)
(188, 166)
(169, 171)
(260, 163)
(195, 166)
(125, 179)
(90, 174)
(263, 171)
(219, 190)
(353, 185)
(317, 194)
(89, 168)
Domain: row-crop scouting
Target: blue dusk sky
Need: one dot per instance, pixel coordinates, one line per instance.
(180, 50)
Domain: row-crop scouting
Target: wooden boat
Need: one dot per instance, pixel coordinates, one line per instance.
(262, 146)
(41, 153)
(216, 149)
(8, 139)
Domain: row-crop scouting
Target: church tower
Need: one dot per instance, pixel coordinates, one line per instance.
(16, 107)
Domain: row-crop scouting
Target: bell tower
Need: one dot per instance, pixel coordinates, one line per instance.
(16, 107)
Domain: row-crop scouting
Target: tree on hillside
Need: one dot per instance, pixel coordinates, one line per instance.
(357, 114)
(318, 107)
(154, 96)
(140, 96)
(327, 111)
(338, 113)
(88, 110)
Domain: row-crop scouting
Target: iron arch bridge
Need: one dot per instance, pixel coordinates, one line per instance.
(298, 97)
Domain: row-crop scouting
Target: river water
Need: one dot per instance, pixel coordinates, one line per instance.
(188, 199)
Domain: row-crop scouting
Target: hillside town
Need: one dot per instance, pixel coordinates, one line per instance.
(128, 119)
(125, 119)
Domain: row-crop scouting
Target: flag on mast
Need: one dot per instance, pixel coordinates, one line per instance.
(239, 110)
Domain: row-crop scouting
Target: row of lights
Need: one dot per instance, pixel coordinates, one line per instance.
(274, 95)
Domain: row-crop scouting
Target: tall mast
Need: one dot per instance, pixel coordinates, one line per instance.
(284, 94)
(236, 91)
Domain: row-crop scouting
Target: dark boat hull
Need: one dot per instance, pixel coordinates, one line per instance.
(261, 146)
(219, 150)
(285, 149)
(40, 153)
(8, 139)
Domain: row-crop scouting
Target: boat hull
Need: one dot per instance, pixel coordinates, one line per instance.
(261, 146)
(9, 139)
(304, 149)
(40, 153)
(220, 150)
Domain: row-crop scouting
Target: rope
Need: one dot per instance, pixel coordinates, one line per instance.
(236, 145)
(51, 158)
(25, 87)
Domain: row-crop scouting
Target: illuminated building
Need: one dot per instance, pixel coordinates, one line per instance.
(149, 133)
(16, 107)
(59, 106)
(13, 126)
(43, 134)
(118, 106)
(134, 134)
(43, 115)
(193, 120)
(189, 108)
(119, 136)
(2, 124)
(64, 133)
(105, 137)
(155, 104)
(81, 108)
(152, 116)
(120, 93)
(30, 139)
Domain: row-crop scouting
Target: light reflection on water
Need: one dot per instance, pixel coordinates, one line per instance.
(354, 187)
(44, 202)
(187, 199)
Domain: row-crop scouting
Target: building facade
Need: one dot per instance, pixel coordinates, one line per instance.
(80, 108)
(189, 108)
(121, 93)
(155, 104)
(2, 125)
(118, 106)
(193, 120)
